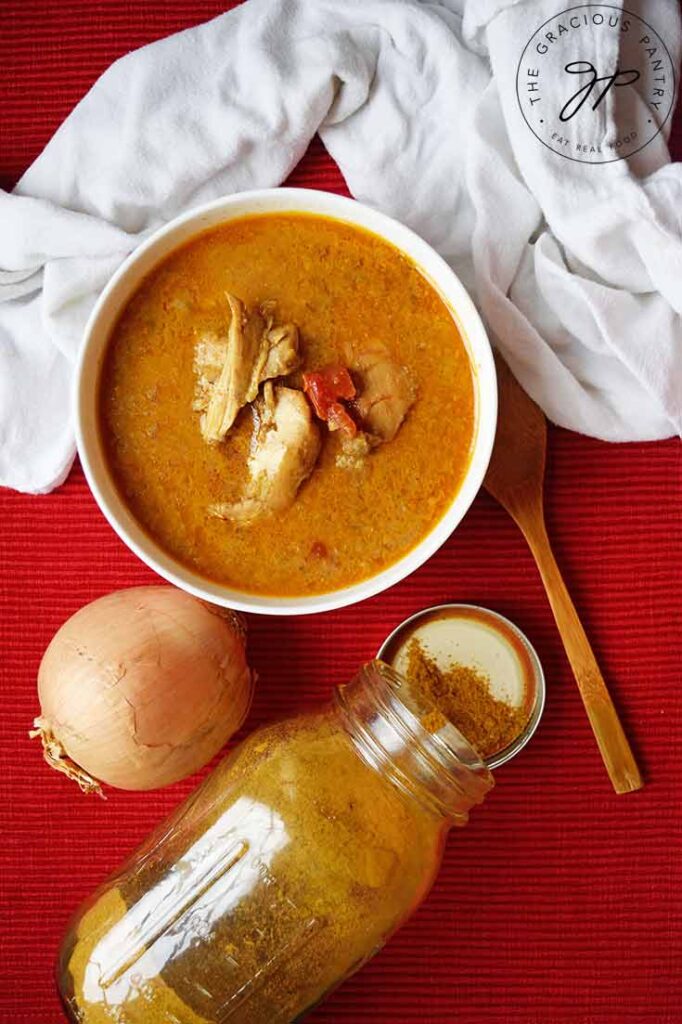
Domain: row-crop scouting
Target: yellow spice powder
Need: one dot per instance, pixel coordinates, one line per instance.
(461, 695)
(357, 856)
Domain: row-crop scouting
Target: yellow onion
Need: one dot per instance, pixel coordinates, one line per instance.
(141, 688)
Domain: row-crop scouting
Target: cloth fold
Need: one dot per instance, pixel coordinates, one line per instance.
(574, 265)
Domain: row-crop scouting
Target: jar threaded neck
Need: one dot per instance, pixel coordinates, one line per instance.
(385, 722)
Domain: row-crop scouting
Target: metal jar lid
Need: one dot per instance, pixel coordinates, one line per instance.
(506, 632)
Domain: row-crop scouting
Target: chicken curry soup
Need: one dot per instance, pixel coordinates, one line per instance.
(286, 405)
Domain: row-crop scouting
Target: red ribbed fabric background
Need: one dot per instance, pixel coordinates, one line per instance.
(561, 903)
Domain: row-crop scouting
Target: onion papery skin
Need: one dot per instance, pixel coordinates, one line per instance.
(142, 687)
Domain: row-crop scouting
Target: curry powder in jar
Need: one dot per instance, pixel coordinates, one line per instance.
(286, 870)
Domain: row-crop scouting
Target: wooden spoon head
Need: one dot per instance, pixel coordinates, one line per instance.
(518, 460)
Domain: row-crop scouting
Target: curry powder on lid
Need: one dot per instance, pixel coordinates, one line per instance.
(461, 695)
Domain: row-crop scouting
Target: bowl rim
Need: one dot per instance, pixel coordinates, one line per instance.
(243, 204)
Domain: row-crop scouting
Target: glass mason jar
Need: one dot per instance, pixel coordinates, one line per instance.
(284, 872)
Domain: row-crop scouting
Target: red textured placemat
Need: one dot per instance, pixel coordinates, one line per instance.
(560, 903)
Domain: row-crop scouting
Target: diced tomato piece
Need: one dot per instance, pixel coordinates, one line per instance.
(313, 385)
(339, 379)
(325, 388)
(339, 418)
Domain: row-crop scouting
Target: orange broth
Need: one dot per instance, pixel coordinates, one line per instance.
(339, 283)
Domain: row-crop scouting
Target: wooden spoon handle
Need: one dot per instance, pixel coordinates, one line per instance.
(613, 745)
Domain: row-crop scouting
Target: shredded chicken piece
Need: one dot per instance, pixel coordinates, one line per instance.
(286, 446)
(209, 358)
(279, 354)
(264, 410)
(230, 370)
(386, 392)
(228, 394)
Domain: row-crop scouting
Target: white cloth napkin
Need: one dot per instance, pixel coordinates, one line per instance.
(576, 268)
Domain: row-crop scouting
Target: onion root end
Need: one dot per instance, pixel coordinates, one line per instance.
(57, 758)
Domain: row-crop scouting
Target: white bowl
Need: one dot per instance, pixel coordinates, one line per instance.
(153, 251)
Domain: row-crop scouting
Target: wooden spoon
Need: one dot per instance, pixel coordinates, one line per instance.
(515, 479)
